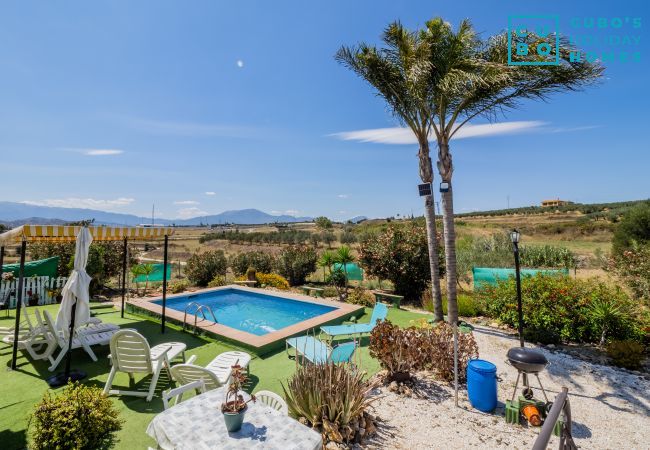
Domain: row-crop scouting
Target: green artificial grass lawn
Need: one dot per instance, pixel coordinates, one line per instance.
(20, 390)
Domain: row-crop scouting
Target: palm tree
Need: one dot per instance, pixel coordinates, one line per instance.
(344, 257)
(472, 78)
(326, 260)
(401, 73)
(147, 270)
(136, 271)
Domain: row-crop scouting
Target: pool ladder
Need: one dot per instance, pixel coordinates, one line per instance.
(199, 309)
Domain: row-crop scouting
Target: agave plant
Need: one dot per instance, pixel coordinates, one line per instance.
(329, 397)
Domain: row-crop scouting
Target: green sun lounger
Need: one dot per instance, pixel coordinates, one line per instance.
(378, 313)
(318, 352)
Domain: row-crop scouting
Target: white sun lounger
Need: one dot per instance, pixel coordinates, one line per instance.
(130, 353)
(215, 374)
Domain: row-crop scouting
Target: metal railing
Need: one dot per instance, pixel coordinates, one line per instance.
(199, 309)
(560, 405)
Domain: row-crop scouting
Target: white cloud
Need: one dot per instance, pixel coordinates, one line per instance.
(186, 202)
(403, 135)
(91, 203)
(210, 193)
(240, 63)
(292, 212)
(343, 196)
(571, 129)
(95, 151)
(188, 213)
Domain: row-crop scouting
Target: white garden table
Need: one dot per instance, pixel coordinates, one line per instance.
(198, 424)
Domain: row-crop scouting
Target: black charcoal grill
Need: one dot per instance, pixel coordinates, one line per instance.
(527, 362)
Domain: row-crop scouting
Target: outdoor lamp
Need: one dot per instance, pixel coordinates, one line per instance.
(514, 236)
(444, 186)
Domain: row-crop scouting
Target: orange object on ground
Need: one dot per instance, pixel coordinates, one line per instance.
(531, 413)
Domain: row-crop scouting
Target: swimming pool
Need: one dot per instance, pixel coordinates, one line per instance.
(251, 312)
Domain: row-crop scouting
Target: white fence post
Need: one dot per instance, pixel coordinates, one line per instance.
(37, 285)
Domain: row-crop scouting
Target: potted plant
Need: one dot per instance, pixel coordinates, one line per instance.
(33, 298)
(234, 407)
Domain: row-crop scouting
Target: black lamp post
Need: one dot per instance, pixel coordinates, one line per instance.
(514, 237)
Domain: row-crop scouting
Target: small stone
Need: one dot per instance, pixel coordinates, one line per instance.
(362, 432)
(551, 345)
(331, 445)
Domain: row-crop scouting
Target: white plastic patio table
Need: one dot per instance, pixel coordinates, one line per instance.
(197, 423)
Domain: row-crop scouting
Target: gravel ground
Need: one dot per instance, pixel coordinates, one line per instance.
(610, 407)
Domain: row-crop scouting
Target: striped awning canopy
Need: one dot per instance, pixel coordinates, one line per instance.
(67, 233)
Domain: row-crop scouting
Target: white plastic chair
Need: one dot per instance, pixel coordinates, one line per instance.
(33, 338)
(273, 400)
(130, 353)
(178, 392)
(79, 340)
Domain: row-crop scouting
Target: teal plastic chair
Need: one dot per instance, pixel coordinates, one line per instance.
(318, 352)
(379, 312)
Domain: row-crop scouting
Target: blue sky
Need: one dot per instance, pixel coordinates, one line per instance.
(206, 106)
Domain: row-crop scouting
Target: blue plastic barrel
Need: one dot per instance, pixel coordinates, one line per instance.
(482, 384)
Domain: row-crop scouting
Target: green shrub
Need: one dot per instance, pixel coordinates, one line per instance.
(468, 305)
(296, 262)
(272, 280)
(260, 261)
(329, 397)
(178, 286)
(628, 354)
(400, 254)
(217, 281)
(361, 296)
(81, 417)
(633, 228)
(330, 291)
(348, 237)
(201, 268)
(559, 308)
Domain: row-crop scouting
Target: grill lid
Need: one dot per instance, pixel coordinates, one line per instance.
(527, 360)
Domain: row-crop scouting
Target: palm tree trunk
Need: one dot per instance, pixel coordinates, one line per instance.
(426, 175)
(450, 254)
(432, 244)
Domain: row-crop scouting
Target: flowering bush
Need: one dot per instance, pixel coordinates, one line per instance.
(561, 308)
(400, 254)
(633, 266)
(217, 281)
(272, 280)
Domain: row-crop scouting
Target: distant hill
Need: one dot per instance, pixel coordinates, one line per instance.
(13, 213)
(590, 209)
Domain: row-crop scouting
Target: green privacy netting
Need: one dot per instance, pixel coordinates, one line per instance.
(355, 273)
(43, 267)
(490, 275)
(156, 275)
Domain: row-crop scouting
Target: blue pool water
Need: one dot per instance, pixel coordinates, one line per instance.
(254, 313)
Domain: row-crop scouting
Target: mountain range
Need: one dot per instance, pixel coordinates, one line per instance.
(13, 214)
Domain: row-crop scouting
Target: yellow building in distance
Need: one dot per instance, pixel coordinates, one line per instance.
(555, 202)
